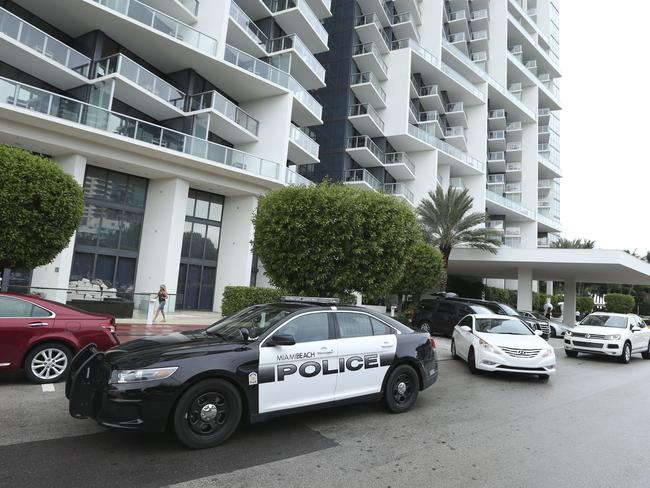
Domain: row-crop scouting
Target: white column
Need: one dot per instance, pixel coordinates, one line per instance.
(569, 302)
(162, 238)
(56, 274)
(549, 288)
(525, 289)
(235, 253)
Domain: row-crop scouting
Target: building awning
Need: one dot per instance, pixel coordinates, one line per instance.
(579, 265)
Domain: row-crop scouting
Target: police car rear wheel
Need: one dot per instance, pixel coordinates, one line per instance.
(401, 389)
(207, 414)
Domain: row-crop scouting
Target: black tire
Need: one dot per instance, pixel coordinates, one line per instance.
(571, 354)
(402, 389)
(207, 414)
(48, 363)
(543, 377)
(626, 353)
(425, 326)
(646, 354)
(453, 349)
(471, 362)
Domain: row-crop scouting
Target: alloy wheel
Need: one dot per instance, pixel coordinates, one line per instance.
(49, 364)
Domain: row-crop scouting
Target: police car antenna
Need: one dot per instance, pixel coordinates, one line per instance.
(320, 300)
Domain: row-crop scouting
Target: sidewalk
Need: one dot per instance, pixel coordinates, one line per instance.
(136, 328)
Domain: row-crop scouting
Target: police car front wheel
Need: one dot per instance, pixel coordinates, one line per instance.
(401, 389)
(207, 414)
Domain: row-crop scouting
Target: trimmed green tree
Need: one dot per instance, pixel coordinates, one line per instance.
(585, 304)
(330, 239)
(619, 303)
(423, 270)
(40, 208)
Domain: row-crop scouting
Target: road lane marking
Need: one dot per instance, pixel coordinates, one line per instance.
(48, 387)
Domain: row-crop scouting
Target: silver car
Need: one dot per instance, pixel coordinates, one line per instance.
(558, 329)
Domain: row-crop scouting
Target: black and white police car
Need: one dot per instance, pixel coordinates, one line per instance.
(267, 360)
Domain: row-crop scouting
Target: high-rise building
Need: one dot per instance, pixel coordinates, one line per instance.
(174, 115)
(458, 93)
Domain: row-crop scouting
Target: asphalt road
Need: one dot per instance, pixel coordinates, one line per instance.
(586, 427)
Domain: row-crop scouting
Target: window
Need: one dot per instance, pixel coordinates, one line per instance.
(379, 328)
(308, 328)
(354, 325)
(428, 305)
(12, 307)
(446, 308)
(466, 321)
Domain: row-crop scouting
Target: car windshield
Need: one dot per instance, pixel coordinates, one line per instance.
(617, 321)
(508, 310)
(257, 319)
(502, 326)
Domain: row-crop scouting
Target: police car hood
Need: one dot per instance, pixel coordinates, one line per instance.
(170, 347)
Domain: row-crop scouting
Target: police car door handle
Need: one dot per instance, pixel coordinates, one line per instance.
(386, 345)
(324, 350)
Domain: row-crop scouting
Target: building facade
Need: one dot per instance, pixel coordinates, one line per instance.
(175, 116)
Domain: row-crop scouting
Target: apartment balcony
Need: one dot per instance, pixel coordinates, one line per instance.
(365, 87)
(547, 168)
(511, 102)
(92, 123)
(256, 9)
(455, 114)
(362, 178)
(513, 151)
(543, 115)
(457, 21)
(497, 119)
(369, 58)
(227, 120)
(512, 232)
(292, 177)
(292, 54)
(544, 186)
(479, 19)
(183, 10)
(456, 183)
(496, 225)
(305, 110)
(401, 191)
(403, 25)
(496, 161)
(548, 222)
(369, 29)
(33, 51)
(513, 191)
(322, 8)
(496, 140)
(513, 171)
(412, 6)
(513, 128)
(378, 7)
(479, 57)
(456, 137)
(364, 151)
(543, 134)
(244, 34)
(303, 149)
(431, 122)
(518, 33)
(459, 41)
(499, 205)
(479, 40)
(297, 17)
(430, 98)
(364, 118)
(516, 89)
(399, 166)
(466, 85)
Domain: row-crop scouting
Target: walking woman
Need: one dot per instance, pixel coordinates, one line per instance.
(162, 301)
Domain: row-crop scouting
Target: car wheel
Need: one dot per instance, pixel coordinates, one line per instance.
(453, 349)
(401, 389)
(543, 377)
(207, 414)
(471, 362)
(646, 354)
(626, 355)
(571, 354)
(47, 363)
(425, 327)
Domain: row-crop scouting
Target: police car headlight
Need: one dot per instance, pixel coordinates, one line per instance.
(613, 337)
(487, 347)
(137, 375)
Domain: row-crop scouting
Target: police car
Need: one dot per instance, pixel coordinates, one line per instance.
(267, 360)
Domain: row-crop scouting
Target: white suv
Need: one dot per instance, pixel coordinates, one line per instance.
(612, 334)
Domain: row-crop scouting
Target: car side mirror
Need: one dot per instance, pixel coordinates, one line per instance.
(465, 328)
(538, 332)
(282, 340)
(245, 333)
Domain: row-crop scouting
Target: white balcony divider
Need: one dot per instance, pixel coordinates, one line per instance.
(217, 102)
(162, 23)
(301, 138)
(35, 39)
(28, 98)
(293, 41)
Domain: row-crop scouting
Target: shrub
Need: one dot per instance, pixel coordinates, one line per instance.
(619, 303)
(585, 305)
(539, 299)
(40, 208)
(423, 270)
(236, 298)
(501, 295)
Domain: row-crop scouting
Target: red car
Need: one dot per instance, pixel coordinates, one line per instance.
(41, 337)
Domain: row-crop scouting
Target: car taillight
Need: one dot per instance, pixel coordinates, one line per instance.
(433, 342)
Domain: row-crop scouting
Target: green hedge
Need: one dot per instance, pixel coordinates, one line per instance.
(619, 303)
(584, 304)
(236, 298)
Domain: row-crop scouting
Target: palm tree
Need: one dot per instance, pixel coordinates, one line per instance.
(563, 243)
(447, 222)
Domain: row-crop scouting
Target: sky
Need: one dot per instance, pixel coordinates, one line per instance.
(605, 136)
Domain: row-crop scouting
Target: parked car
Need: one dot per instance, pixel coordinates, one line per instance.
(502, 344)
(558, 329)
(41, 337)
(274, 359)
(440, 315)
(611, 334)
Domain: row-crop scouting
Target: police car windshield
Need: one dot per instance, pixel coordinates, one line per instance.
(256, 319)
(502, 326)
(618, 321)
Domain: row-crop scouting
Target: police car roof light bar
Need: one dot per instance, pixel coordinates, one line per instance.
(319, 300)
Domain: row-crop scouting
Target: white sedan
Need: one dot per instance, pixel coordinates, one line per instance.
(498, 343)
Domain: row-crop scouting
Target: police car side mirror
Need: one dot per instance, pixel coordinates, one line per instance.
(539, 332)
(282, 340)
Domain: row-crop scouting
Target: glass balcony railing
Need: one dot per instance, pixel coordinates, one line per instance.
(216, 101)
(455, 107)
(291, 177)
(362, 176)
(456, 182)
(496, 156)
(455, 131)
(400, 158)
(457, 15)
(415, 46)
(369, 48)
(479, 14)
(400, 189)
(513, 126)
(512, 205)
(424, 136)
(191, 5)
(163, 23)
(303, 139)
(307, 12)
(145, 79)
(496, 114)
(292, 41)
(368, 77)
(44, 44)
(244, 21)
(304, 97)
(463, 81)
(26, 97)
(430, 116)
(494, 135)
(366, 109)
(256, 66)
(425, 91)
(359, 142)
